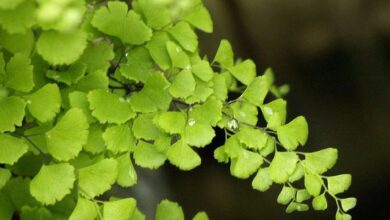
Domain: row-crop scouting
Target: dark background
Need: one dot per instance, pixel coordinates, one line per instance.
(335, 55)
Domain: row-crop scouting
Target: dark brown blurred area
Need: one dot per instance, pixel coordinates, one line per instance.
(335, 55)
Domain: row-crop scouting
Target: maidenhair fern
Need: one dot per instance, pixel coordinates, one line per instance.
(88, 88)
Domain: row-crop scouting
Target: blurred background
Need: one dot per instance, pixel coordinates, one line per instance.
(335, 55)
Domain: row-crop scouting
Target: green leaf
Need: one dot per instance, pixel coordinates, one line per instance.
(92, 81)
(10, 4)
(245, 72)
(144, 128)
(11, 149)
(198, 135)
(319, 203)
(220, 88)
(171, 122)
(286, 195)
(5, 175)
(338, 184)
(52, 183)
(274, 113)
(18, 190)
(294, 133)
(45, 103)
(157, 16)
(203, 70)
(321, 161)
(224, 55)
(294, 206)
(65, 140)
(262, 180)
(146, 156)
(245, 164)
(19, 73)
(80, 100)
(185, 36)
(220, 155)
(6, 207)
(59, 48)
(97, 57)
(201, 93)
(127, 175)
(201, 19)
(183, 156)
(183, 85)
(167, 210)
(348, 203)
(343, 216)
(28, 165)
(302, 195)
(138, 215)
(109, 108)
(252, 138)
(139, 65)
(95, 143)
(69, 76)
(158, 51)
(96, 179)
(257, 90)
(19, 18)
(209, 112)
(200, 216)
(282, 166)
(11, 113)
(36, 213)
(84, 210)
(119, 138)
(244, 112)
(154, 96)
(121, 209)
(313, 184)
(178, 57)
(117, 21)
(18, 42)
(298, 173)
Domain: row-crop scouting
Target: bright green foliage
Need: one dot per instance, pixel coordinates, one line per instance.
(262, 180)
(108, 107)
(119, 138)
(96, 179)
(185, 36)
(338, 184)
(19, 73)
(320, 202)
(348, 203)
(147, 156)
(11, 113)
(84, 210)
(183, 156)
(313, 184)
(167, 210)
(52, 183)
(122, 209)
(11, 148)
(320, 161)
(171, 122)
(294, 133)
(65, 140)
(92, 91)
(60, 48)
(200, 216)
(126, 173)
(245, 72)
(128, 24)
(45, 103)
(183, 85)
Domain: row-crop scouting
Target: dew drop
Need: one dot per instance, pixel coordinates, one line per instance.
(191, 122)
